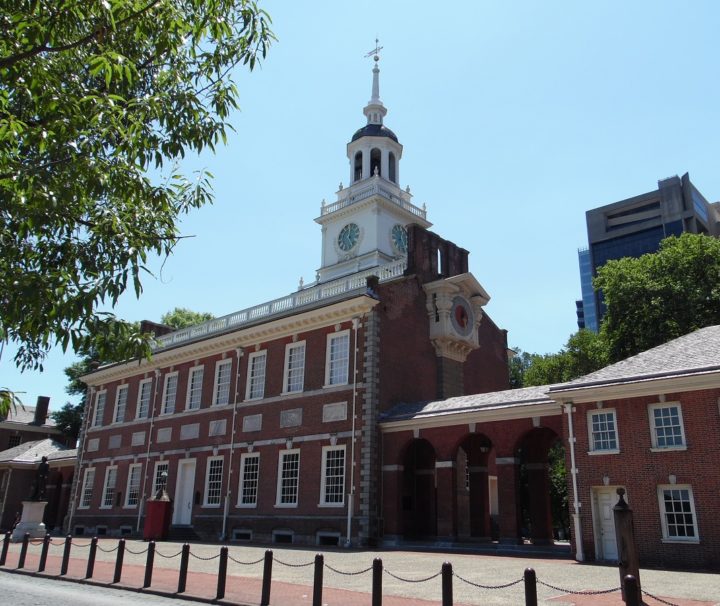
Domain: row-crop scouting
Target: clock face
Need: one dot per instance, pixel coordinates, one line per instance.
(462, 317)
(348, 237)
(399, 238)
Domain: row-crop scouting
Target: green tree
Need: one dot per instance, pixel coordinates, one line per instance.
(69, 417)
(519, 363)
(99, 101)
(180, 317)
(584, 352)
(661, 296)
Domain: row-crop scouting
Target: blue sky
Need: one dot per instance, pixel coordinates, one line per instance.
(516, 118)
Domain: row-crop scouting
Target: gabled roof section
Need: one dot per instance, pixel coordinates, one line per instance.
(31, 453)
(693, 355)
(511, 403)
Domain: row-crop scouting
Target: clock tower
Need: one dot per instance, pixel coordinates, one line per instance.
(366, 226)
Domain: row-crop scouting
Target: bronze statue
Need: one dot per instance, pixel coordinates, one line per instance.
(41, 476)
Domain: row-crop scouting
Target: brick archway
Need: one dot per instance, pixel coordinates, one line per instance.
(419, 495)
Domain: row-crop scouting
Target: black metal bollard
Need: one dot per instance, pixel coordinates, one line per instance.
(318, 579)
(377, 582)
(530, 587)
(447, 593)
(23, 550)
(149, 564)
(66, 556)
(6, 544)
(44, 552)
(184, 558)
(222, 573)
(91, 558)
(119, 560)
(267, 578)
(632, 591)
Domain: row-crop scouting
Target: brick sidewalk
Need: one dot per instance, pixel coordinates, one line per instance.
(246, 589)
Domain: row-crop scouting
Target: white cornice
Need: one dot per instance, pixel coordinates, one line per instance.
(276, 329)
(375, 200)
(641, 387)
(485, 415)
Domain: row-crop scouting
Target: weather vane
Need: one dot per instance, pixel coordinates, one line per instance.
(375, 51)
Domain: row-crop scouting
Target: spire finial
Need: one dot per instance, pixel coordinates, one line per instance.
(374, 109)
(375, 53)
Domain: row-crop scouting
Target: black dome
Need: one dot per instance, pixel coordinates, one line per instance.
(374, 130)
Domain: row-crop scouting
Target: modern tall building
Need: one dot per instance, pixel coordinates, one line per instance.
(634, 227)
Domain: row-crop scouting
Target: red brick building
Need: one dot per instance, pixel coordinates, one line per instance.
(264, 423)
(468, 467)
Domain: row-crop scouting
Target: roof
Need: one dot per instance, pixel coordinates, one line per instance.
(374, 130)
(25, 415)
(692, 354)
(31, 453)
(510, 398)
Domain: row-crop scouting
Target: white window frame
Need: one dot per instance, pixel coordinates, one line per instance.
(118, 412)
(244, 458)
(109, 487)
(653, 428)
(591, 442)
(210, 461)
(99, 411)
(664, 514)
(169, 396)
(335, 366)
(286, 372)
(189, 401)
(138, 410)
(255, 376)
(128, 488)
(87, 488)
(159, 467)
(216, 386)
(278, 494)
(323, 476)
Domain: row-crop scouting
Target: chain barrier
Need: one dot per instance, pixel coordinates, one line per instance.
(167, 557)
(74, 544)
(107, 550)
(128, 550)
(197, 557)
(654, 597)
(481, 586)
(394, 576)
(289, 565)
(581, 592)
(348, 574)
(245, 563)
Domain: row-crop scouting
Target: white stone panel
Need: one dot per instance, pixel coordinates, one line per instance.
(291, 418)
(164, 435)
(334, 412)
(138, 438)
(189, 432)
(252, 423)
(217, 428)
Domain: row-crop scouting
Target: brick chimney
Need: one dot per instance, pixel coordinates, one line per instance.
(41, 410)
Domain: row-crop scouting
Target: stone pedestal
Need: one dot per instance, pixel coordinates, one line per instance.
(31, 521)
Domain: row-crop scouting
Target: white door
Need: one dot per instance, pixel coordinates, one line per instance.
(184, 489)
(604, 499)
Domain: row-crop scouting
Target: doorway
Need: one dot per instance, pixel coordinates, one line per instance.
(184, 489)
(604, 499)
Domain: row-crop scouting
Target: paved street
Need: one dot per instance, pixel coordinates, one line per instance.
(293, 576)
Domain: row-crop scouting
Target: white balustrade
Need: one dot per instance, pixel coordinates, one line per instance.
(293, 302)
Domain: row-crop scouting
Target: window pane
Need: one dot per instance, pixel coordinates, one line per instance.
(109, 490)
(133, 489)
(289, 474)
(196, 380)
(144, 399)
(668, 430)
(87, 487)
(214, 482)
(604, 436)
(339, 359)
(160, 481)
(256, 380)
(170, 393)
(222, 383)
(99, 408)
(678, 513)
(334, 475)
(121, 404)
(249, 483)
(295, 367)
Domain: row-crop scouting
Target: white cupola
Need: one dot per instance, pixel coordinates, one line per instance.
(366, 227)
